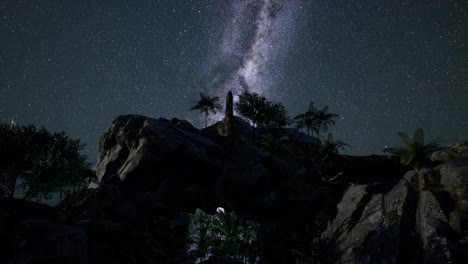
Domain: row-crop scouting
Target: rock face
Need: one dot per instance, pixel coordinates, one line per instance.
(421, 219)
(160, 169)
(153, 172)
(452, 152)
(373, 224)
(454, 179)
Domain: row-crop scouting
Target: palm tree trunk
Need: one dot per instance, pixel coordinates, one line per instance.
(206, 119)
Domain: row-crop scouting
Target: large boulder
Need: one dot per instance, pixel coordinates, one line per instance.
(442, 212)
(152, 169)
(373, 224)
(432, 225)
(452, 152)
(421, 219)
(454, 179)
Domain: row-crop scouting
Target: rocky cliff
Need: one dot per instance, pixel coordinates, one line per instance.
(422, 218)
(152, 172)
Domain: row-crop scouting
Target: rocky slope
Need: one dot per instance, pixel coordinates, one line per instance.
(152, 172)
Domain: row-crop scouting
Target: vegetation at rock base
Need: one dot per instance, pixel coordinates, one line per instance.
(223, 234)
(37, 162)
(415, 152)
(207, 105)
(332, 146)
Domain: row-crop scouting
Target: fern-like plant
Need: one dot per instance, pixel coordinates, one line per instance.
(415, 152)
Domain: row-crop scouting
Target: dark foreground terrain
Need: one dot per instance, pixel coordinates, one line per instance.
(153, 172)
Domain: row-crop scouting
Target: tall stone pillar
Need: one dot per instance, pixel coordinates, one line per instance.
(228, 116)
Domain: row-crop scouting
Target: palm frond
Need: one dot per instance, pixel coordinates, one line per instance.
(312, 107)
(406, 158)
(416, 152)
(203, 96)
(406, 140)
(395, 151)
(207, 104)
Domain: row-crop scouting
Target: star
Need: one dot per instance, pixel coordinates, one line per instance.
(382, 66)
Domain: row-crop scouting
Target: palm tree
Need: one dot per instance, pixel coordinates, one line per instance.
(306, 120)
(415, 152)
(207, 104)
(324, 120)
(314, 120)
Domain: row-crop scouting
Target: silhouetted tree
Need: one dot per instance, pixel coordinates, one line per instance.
(36, 163)
(276, 115)
(207, 104)
(260, 111)
(315, 121)
(324, 120)
(306, 120)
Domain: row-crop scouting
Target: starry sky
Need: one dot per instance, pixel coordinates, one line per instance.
(383, 66)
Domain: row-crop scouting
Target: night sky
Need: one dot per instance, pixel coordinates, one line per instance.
(383, 66)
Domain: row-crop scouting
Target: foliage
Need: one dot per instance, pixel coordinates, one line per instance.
(332, 146)
(36, 162)
(276, 115)
(207, 104)
(309, 153)
(200, 235)
(324, 120)
(415, 152)
(315, 121)
(273, 145)
(260, 111)
(306, 120)
(223, 234)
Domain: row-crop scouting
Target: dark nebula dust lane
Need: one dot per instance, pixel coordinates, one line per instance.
(383, 66)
